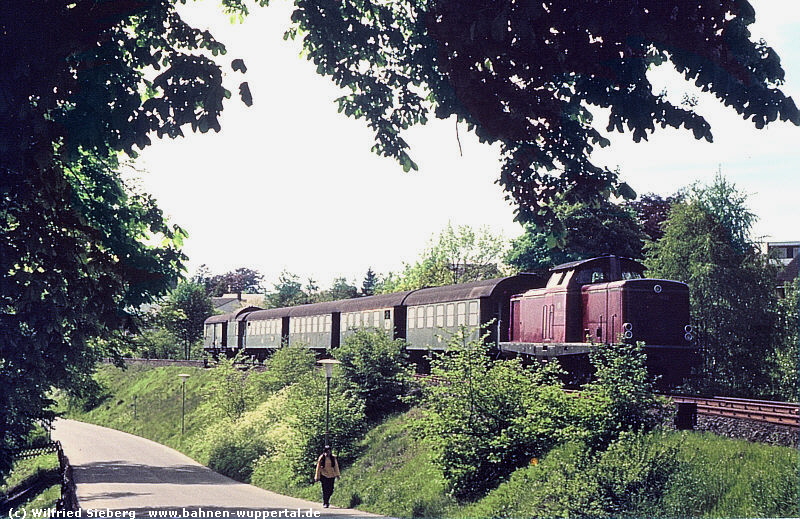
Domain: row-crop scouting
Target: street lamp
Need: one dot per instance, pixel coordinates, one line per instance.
(328, 365)
(183, 376)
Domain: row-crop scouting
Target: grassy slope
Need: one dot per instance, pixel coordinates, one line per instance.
(394, 474)
(23, 474)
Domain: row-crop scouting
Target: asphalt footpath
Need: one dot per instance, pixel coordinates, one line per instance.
(119, 475)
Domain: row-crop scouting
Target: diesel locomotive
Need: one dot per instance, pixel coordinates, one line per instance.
(584, 303)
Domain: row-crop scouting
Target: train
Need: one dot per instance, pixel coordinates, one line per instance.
(584, 303)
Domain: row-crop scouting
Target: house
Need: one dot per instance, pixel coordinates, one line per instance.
(784, 254)
(231, 302)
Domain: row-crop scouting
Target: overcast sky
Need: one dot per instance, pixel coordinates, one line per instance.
(289, 183)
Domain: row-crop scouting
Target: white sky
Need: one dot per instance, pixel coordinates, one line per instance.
(289, 183)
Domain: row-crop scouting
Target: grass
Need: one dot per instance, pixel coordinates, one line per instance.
(26, 472)
(733, 478)
(148, 402)
(393, 472)
(392, 475)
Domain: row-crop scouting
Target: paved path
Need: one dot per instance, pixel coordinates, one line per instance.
(119, 475)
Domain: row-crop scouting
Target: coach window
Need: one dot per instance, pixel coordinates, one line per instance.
(473, 313)
(429, 316)
(412, 317)
(439, 316)
(327, 324)
(451, 315)
(420, 317)
(376, 319)
(461, 312)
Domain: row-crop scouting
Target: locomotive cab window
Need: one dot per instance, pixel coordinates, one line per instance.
(591, 275)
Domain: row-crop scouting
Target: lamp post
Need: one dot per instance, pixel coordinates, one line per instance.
(328, 365)
(183, 376)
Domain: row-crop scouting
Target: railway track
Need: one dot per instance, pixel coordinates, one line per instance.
(780, 413)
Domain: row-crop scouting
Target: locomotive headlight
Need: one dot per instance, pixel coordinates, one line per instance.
(657, 289)
(627, 327)
(688, 328)
(628, 334)
(688, 337)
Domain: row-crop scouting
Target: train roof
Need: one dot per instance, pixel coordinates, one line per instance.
(460, 292)
(572, 264)
(270, 313)
(237, 315)
(375, 302)
(473, 290)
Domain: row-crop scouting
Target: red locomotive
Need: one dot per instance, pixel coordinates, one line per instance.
(604, 300)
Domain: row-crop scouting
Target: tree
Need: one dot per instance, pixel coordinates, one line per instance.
(529, 76)
(288, 292)
(652, 211)
(590, 231)
(241, 280)
(312, 291)
(783, 361)
(340, 289)
(706, 244)
(456, 255)
(84, 80)
(183, 314)
(370, 283)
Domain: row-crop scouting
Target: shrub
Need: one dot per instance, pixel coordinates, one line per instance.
(377, 368)
(573, 480)
(229, 389)
(621, 398)
(488, 418)
(284, 368)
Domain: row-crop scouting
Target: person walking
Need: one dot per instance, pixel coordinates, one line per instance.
(327, 472)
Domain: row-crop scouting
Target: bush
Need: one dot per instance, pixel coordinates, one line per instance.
(621, 398)
(491, 417)
(284, 368)
(230, 392)
(488, 418)
(572, 480)
(378, 370)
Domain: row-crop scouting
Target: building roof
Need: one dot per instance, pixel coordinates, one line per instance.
(222, 301)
